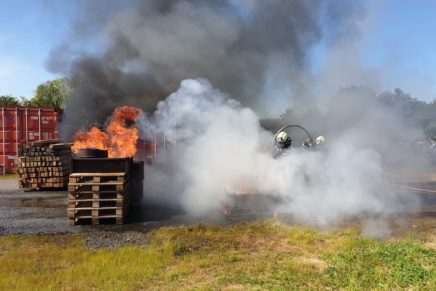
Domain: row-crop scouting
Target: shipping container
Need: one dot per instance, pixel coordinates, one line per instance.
(20, 125)
(146, 151)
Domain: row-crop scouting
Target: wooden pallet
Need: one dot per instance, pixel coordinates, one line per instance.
(95, 198)
(109, 219)
(43, 185)
(95, 203)
(25, 165)
(85, 215)
(44, 164)
(97, 187)
(46, 148)
(40, 173)
(90, 212)
(96, 178)
(96, 195)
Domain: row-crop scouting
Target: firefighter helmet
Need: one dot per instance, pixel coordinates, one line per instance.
(282, 137)
(320, 139)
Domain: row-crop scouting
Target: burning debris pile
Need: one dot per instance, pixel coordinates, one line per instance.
(105, 180)
(120, 138)
(44, 164)
(101, 189)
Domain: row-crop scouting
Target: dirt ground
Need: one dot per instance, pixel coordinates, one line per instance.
(31, 212)
(44, 212)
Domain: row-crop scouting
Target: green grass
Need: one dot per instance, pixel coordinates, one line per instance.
(257, 256)
(8, 177)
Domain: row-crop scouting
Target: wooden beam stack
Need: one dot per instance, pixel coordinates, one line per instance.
(98, 198)
(44, 165)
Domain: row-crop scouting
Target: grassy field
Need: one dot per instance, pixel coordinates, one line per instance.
(256, 256)
(9, 177)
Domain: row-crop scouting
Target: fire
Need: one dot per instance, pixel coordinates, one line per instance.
(123, 137)
(243, 191)
(120, 138)
(94, 138)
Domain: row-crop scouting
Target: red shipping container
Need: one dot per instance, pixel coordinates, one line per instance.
(145, 151)
(20, 125)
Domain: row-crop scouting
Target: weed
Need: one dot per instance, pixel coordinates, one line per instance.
(259, 255)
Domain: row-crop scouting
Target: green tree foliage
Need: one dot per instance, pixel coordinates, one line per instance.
(52, 93)
(414, 111)
(8, 100)
(410, 108)
(289, 116)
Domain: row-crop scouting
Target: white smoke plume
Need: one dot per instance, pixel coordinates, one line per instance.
(217, 147)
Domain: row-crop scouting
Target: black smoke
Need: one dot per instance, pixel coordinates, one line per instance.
(258, 52)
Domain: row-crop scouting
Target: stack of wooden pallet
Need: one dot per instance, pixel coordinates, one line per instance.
(98, 198)
(44, 164)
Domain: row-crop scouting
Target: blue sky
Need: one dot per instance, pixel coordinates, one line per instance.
(28, 31)
(402, 41)
(398, 38)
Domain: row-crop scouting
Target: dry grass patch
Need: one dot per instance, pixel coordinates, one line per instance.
(261, 256)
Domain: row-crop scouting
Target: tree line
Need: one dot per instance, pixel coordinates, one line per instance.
(351, 104)
(55, 93)
(52, 93)
(417, 112)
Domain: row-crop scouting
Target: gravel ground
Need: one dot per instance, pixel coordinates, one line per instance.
(44, 212)
(32, 212)
(113, 240)
(8, 186)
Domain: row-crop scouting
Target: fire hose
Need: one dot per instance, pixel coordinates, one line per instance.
(413, 188)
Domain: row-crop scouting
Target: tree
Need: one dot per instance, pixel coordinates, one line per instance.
(410, 108)
(52, 93)
(288, 116)
(8, 100)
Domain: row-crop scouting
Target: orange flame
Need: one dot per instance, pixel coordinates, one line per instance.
(121, 137)
(94, 138)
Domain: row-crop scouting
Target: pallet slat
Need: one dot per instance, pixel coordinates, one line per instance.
(95, 198)
(44, 164)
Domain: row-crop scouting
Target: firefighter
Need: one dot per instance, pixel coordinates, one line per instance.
(320, 140)
(283, 141)
(308, 143)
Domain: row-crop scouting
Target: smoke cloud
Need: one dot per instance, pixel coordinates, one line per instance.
(256, 51)
(206, 71)
(217, 148)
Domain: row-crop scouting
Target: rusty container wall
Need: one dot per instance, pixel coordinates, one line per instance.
(20, 125)
(146, 151)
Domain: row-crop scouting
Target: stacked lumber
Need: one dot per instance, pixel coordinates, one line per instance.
(98, 198)
(44, 165)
